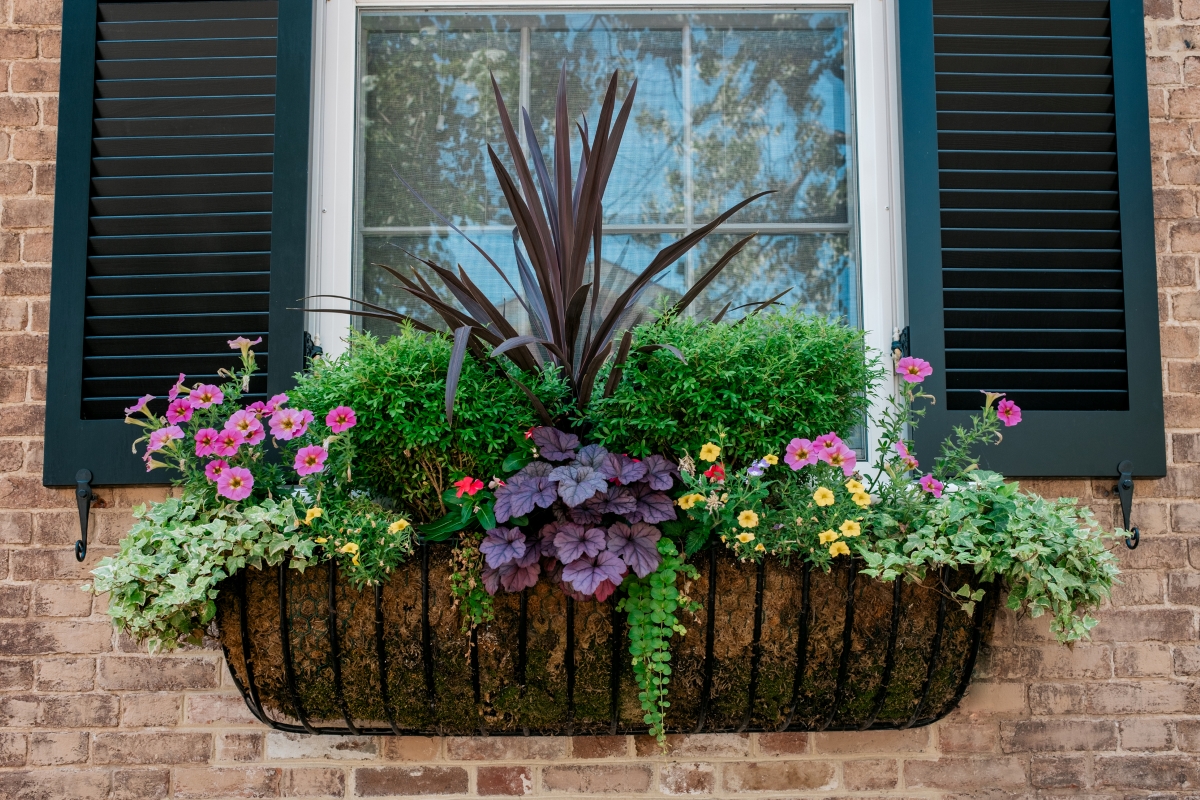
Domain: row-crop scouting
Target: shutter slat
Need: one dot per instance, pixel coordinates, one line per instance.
(145, 68)
(179, 263)
(147, 185)
(173, 346)
(120, 167)
(113, 285)
(230, 325)
(1028, 198)
(1040, 102)
(1015, 64)
(186, 48)
(1027, 45)
(128, 146)
(170, 106)
(183, 203)
(183, 126)
(196, 9)
(1009, 121)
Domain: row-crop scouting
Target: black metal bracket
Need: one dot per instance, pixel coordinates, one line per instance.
(83, 498)
(1125, 492)
(900, 344)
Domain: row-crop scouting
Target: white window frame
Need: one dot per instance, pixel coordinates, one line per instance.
(873, 60)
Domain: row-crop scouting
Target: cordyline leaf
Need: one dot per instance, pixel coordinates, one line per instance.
(614, 375)
(454, 371)
(720, 314)
(759, 306)
(670, 348)
(708, 277)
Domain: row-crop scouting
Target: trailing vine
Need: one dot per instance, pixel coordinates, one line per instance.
(466, 583)
(651, 604)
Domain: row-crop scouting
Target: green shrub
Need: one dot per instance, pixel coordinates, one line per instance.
(405, 449)
(762, 381)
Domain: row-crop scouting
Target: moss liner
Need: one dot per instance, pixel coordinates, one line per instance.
(440, 681)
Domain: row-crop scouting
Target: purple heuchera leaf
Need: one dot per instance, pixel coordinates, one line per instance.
(491, 580)
(575, 541)
(522, 494)
(637, 545)
(585, 574)
(624, 469)
(604, 590)
(577, 483)
(588, 513)
(536, 469)
(515, 575)
(554, 445)
(546, 548)
(652, 506)
(596, 457)
(617, 500)
(660, 473)
(502, 545)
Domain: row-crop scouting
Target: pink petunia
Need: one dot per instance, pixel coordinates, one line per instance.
(259, 408)
(310, 459)
(177, 388)
(180, 410)
(287, 423)
(913, 370)
(206, 442)
(1009, 413)
(829, 441)
(341, 419)
(907, 458)
(246, 422)
(235, 483)
(842, 457)
(243, 343)
(206, 395)
(932, 485)
(159, 439)
(274, 404)
(800, 453)
(228, 442)
(214, 469)
(139, 405)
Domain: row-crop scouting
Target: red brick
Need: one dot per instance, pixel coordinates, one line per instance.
(1145, 734)
(45, 175)
(1037, 735)
(218, 709)
(14, 178)
(158, 673)
(13, 747)
(400, 781)
(14, 600)
(49, 110)
(782, 744)
(32, 565)
(204, 782)
(12, 456)
(150, 709)
(504, 781)
(1158, 9)
(779, 776)
(91, 784)
(18, 44)
(962, 773)
(978, 737)
(239, 746)
(58, 711)
(410, 748)
(30, 212)
(1183, 588)
(39, 145)
(140, 784)
(913, 740)
(16, 675)
(50, 44)
(36, 247)
(56, 749)
(61, 600)
(14, 112)
(870, 775)
(159, 747)
(504, 748)
(1142, 697)
(1188, 735)
(687, 777)
(22, 420)
(1145, 625)
(37, 12)
(1151, 772)
(1168, 202)
(313, 782)
(599, 746)
(1058, 772)
(34, 76)
(1162, 70)
(1142, 660)
(37, 637)
(705, 745)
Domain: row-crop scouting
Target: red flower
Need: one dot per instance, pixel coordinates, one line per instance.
(469, 485)
(529, 433)
(715, 473)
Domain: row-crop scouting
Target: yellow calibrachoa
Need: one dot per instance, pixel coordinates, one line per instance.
(853, 486)
(348, 547)
(397, 526)
(839, 549)
(321, 540)
(748, 519)
(828, 536)
(759, 547)
(823, 497)
(745, 537)
(862, 499)
(689, 500)
(709, 452)
(771, 459)
(850, 528)
(313, 513)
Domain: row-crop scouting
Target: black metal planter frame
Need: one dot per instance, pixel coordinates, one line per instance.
(619, 659)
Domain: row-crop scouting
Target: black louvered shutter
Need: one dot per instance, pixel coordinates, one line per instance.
(180, 212)
(1029, 228)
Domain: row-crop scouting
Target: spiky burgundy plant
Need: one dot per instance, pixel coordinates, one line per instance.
(555, 228)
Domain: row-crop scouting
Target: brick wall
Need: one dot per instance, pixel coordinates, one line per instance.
(84, 715)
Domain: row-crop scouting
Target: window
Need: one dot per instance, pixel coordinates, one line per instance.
(728, 103)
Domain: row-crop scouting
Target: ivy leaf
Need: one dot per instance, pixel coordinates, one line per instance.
(554, 445)
(578, 483)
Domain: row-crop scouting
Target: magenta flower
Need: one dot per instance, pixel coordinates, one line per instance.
(286, 424)
(206, 395)
(228, 442)
(800, 453)
(214, 469)
(932, 485)
(246, 422)
(829, 442)
(235, 483)
(177, 388)
(842, 457)
(907, 458)
(1009, 413)
(180, 410)
(258, 407)
(341, 419)
(274, 404)
(913, 370)
(159, 439)
(310, 459)
(138, 406)
(206, 442)
(243, 344)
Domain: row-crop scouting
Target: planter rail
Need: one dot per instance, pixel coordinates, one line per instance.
(775, 648)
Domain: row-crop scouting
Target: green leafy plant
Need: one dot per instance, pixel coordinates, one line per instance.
(466, 583)
(162, 583)
(652, 605)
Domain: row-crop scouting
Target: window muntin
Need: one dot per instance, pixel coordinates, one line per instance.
(719, 114)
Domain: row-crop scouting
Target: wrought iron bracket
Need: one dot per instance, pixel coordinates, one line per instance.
(1125, 493)
(900, 344)
(83, 498)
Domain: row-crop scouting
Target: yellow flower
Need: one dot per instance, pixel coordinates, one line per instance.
(839, 549)
(348, 547)
(862, 499)
(850, 528)
(321, 540)
(771, 459)
(828, 536)
(397, 526)
(823, 497)
(354, 561)
(725, 497)
(748, 519)
(689, 500)
(854, 486)
(709, 452)
(759, 547)
(745, 537)
(313, 513)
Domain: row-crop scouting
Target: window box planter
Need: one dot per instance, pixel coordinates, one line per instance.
(825, 651)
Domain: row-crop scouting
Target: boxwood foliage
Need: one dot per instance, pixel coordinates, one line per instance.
(397, 387)
(761, 381)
